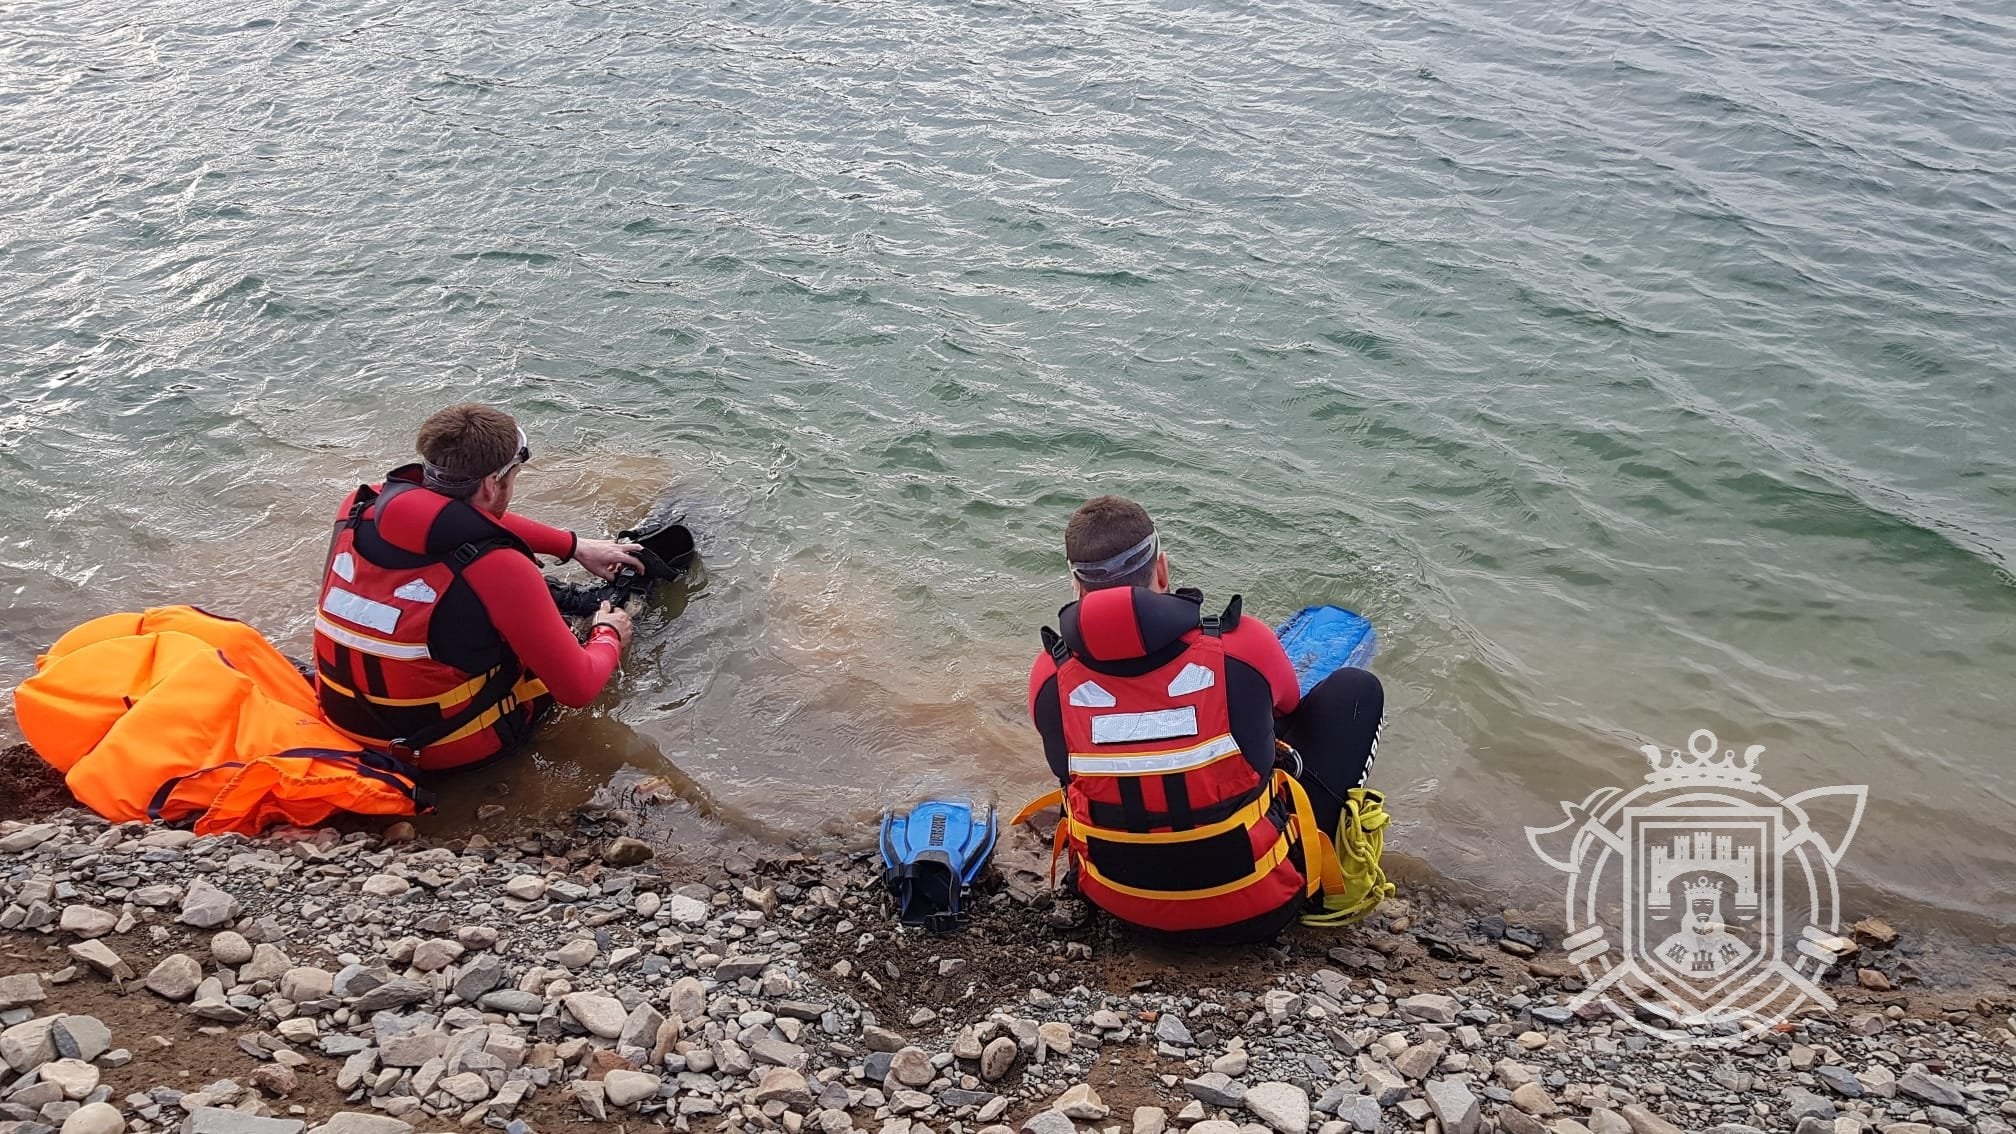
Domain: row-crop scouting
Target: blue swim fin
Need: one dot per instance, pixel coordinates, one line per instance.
(930, 853)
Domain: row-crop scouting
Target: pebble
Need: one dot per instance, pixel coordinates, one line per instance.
(1082, 1103)
(74, 1077)
(175, 977)
(87, 921)
(206, 907)
(629, 1088)
(230, 948)
(601, 1015)
(998, 1058)
(94, 1118)
(1283, 1106)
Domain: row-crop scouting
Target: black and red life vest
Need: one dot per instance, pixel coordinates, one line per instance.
(406, 656)
(1170, 824)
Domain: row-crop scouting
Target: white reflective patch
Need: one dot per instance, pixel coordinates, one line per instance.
(365, 644)
(1091, 696)
(382, 617)
(1152, 763)
(416, 591)
(1126, 728)
(345, 567)
(1193, 678)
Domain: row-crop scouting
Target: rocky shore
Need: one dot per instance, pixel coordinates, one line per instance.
(361, 984)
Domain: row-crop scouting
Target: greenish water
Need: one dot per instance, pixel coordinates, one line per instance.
(1638, 367)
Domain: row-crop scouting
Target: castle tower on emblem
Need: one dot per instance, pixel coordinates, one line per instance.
(1695, 861)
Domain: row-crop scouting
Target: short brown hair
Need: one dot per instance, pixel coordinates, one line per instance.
(1106, 526)
(468, 442)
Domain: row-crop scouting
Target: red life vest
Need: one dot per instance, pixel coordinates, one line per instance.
(1166, 819)
(406, 656)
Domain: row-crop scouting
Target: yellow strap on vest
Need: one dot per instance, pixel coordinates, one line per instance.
(1262, 867)
(1028, 812)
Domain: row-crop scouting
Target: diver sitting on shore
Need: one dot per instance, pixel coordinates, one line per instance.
(1161, 722)
(436, 636)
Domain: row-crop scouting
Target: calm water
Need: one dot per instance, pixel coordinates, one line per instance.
(1637, 366)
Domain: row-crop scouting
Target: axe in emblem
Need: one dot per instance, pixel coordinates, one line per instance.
(1563, 845)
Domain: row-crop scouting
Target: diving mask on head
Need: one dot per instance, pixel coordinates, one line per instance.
(1104, 571)
(456, 485)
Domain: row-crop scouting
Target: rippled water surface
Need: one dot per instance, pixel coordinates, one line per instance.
(1637, 366)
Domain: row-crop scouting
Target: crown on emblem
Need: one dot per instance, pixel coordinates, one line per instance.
(1702, 763)
(1704, 887)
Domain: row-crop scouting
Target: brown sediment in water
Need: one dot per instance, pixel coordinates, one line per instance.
(29, 787)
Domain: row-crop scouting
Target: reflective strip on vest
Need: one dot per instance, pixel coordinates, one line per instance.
(1152, 763)
(1130, 728)
(352, 607)
(364, 643)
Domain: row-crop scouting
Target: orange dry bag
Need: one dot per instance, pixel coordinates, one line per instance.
(180, 716)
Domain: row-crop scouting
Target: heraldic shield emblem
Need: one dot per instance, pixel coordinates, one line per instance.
(1701, 903)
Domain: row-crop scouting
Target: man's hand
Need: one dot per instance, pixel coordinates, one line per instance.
(602, 557)
(615, 619)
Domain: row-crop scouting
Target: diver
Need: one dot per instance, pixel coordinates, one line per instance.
(436, 637)
(1164, 724)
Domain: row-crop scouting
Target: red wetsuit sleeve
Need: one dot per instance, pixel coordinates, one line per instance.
(514, 592)
(543, 539)
(1254, 643)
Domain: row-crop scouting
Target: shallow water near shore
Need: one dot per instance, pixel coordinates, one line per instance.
(1635, 371)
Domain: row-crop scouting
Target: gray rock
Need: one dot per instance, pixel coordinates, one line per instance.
(628, 1088)
(268, 963)
(1802, 1103)
(1283, 1106)
(175, 978)
(87, 921)
(911, 1067)
(1840, 1080)
(1929, 1088)
(1362, 1112)
(101, 958)
(735, 968)
(1385, 1085)
(1429, 1008)
(435, 954)
(1813, 1126)
(393, 994)
(467, 1088)
(640, 1028)
(688, 1001)
(1644, 1121)
(27, 838)
(229, 947)
(1214, 1089)
(411, 1049)
(206, 907)
(80, 1037)
(1170, 1029)
(1081, 1103)
(512, 1002)
(1217, 1126)
(601, 1015)
(1454, 1105)
(303, 984)
(27, 1045)
(997, 1058)
(479, 976)
(1048, 1122)
(578, 953)
(95, 1118)
(1150, 1120)
(1552, 1014)
(357, 1122)
(681, 909)
(74, 1077)
(385, 886)
(782, 1084)
(217, 1120)
(21, 990)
